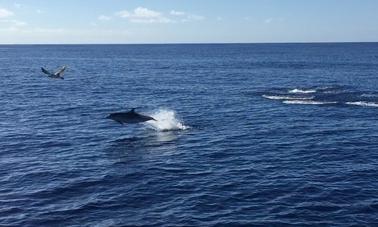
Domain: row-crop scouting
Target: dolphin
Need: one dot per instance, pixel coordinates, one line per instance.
(130, 117)
(57, 75)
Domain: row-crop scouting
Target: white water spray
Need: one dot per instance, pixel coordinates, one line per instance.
(166, 120)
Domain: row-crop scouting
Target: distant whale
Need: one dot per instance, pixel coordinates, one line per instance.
(130, 117)
(57, 75)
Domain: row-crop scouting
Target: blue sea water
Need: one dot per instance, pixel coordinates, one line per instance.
(247, 134)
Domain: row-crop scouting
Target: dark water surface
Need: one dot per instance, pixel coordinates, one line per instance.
(254, 134)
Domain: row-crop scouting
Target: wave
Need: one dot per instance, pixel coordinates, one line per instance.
(362, 103)
(369, 95)
(166, 120)
(279, 97)
(307, 102)
(302, 91)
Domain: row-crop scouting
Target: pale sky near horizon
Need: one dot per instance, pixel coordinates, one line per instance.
(192, 21)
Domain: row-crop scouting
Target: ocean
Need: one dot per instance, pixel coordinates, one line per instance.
(246, 134)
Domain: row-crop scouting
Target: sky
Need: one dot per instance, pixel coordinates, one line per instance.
(187, 21)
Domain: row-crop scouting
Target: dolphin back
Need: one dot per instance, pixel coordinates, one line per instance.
(130, 117)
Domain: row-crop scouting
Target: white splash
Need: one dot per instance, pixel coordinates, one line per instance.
(300, 91)
(166, 120)
(307, 102)
(367, 104)
(278, 97)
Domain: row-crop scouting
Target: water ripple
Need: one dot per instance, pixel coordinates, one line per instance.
(248, 156)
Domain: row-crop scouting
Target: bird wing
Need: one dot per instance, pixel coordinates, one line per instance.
(60, 72)
(46, 72)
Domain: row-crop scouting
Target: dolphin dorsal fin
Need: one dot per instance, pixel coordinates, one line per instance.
(132, 110)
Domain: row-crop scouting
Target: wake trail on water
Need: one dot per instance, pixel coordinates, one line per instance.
(302, 91)
(362, 103)
(329, 95)
(166, 120)
(280, 97)
(307, 102)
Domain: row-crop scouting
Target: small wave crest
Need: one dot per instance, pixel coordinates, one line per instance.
(279, 97)
(361, 103)
(302, 91)
(369, 95)
(166, 120)
(307, 102)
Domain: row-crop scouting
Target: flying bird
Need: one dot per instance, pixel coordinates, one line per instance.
(57, 75)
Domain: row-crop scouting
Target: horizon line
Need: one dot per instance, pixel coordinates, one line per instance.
(196, 43)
